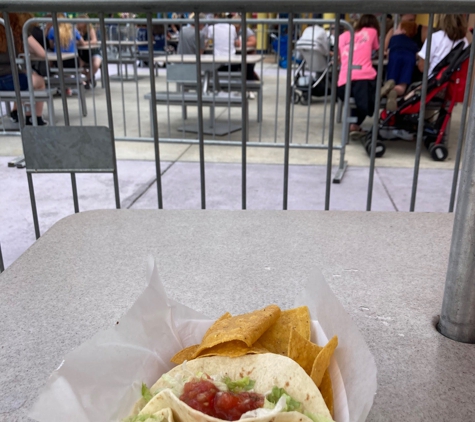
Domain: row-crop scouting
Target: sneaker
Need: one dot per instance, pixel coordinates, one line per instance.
(87, 85)
(387, 87)
(387, 133)
(391, 104)
(14, 116)
(404, 134)
(39, 120)
(251, 95)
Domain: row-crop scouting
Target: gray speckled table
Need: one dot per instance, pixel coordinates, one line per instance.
(388, 270)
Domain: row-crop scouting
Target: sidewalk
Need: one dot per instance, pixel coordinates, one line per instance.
(181, 190)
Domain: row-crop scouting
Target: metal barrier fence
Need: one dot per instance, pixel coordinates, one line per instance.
(460, 290)
(316, 136)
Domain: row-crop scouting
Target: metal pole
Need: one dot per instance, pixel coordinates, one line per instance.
(331, 129)
(244, 110)
(199, 90)
(374, 132)
(422, 111)
(154, 110)
(457, 319)
(2, 266)
(463, 121)
(110, 118)
(36, 223)
(288, 95)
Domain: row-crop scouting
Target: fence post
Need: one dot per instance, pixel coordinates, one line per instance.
(457, 319)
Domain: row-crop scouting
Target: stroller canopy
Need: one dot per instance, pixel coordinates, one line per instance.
(314, 38)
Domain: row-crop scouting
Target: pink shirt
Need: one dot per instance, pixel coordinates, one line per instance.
(366, 40)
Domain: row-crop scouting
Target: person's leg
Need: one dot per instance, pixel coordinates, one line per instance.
(96, 64)
(400, 89)
(363, 92)
(341, 96)
(38, 84)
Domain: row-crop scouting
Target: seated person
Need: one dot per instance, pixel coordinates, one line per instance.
(453, 29)
(419, 38)
(224, 38)
(401, 61)
(17, 20)
(251, 43)
(87, 55)
(187, 39)
(363, 81)
(68, 38)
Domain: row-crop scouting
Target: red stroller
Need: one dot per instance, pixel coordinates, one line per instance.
(444, 90)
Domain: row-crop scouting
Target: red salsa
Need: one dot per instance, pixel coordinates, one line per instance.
(205, 397)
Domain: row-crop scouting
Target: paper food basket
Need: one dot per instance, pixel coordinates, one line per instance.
(101, 379)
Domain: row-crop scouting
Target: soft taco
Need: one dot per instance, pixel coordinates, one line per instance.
(256, 388)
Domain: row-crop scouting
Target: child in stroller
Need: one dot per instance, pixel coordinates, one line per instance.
(314, 47)
(445, 88)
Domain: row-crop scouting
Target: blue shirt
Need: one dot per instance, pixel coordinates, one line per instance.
(404, 43)
(72, 45)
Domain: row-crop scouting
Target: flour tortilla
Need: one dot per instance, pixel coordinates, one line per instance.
(267, 370)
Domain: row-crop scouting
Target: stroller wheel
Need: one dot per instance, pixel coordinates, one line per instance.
(380, 148)
(305, 99)
(438, 152)
(428, 141)
(296, 98)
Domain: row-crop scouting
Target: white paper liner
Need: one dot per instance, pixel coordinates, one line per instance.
(100, 380)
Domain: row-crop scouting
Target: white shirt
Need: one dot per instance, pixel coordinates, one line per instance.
(224, 36)
(440, 47)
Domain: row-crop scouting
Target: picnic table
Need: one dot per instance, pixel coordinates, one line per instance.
(387, 269)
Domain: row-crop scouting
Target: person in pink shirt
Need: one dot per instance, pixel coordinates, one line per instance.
(363, 81)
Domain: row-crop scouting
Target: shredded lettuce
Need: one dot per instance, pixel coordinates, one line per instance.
(290, 404)
(244, 384)
(146, 394)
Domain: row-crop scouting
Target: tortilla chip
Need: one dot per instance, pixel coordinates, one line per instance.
(302, 351)
(246, 328)
(276, 338)
(233, 349)
(227, 315)
(327, 391)
(322, 362)
(187, 353)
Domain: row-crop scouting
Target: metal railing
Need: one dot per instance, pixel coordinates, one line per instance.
(457, 319)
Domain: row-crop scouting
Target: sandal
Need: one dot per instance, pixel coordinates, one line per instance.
(391, 103)
(358, 135)
(387, 87)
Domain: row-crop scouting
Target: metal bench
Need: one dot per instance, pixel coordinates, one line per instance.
(184, 74)
(71, 81)
(43, 95)
(233, 83)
